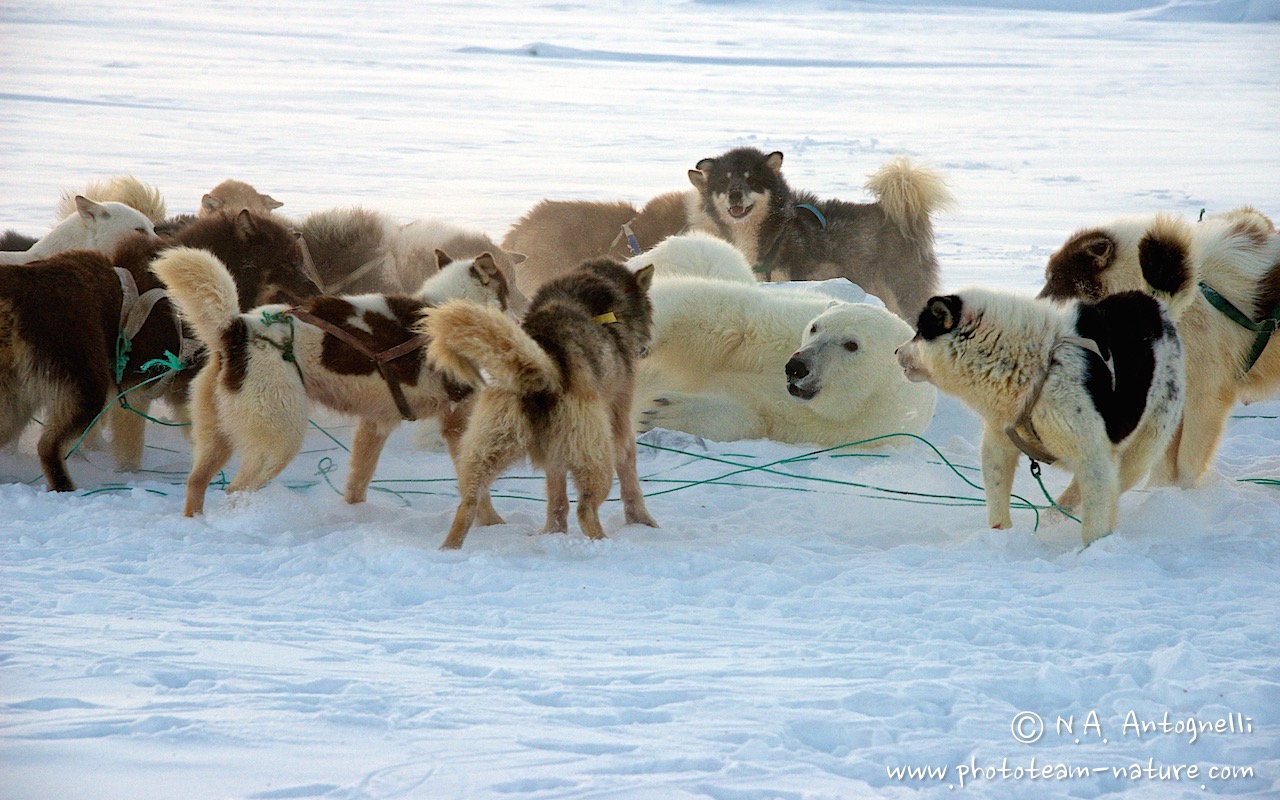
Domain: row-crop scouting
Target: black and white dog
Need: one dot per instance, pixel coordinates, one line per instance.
(1095, 387)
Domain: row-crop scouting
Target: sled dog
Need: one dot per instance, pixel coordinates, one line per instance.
(558, 389)
(93, 226)
(360, 250)
(354, 354)
(558, 235)
(1097, 387)
(1225, 273)
(886, 246)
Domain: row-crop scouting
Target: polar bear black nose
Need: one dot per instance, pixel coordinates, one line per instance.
(796, 369)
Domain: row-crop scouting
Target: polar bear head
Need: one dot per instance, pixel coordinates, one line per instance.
(847, 355)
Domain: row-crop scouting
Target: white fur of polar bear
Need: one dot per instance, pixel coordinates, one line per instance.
(696, 254)
(717, 366)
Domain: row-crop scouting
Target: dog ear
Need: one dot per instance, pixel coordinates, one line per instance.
(644, 276)
(939, 317)
(89, 210)
(1164, 257)
(270, 202)
(211, 204)
(516, 258)
(774, 161)
(484, 268)
(442, 260)
(245, 226)
(1101, 249)
(698, 177)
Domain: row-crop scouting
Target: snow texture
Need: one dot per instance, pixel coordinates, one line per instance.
(801, 626)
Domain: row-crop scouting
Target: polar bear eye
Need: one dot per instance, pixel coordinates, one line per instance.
(851, 346)
(813, 329)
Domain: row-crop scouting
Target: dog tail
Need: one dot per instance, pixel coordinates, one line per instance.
(467, 337)
(909, 194)
(202, 289)
(121, 189)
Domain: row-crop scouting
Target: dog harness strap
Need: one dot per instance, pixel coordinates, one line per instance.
(379, 359)
(765, 267)
(1264, 329)
(355, 275)
(309, 266)
(1030, 444)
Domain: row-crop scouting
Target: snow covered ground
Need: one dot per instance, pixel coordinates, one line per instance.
(801, 626)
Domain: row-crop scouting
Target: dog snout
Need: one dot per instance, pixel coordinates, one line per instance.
(796, 369)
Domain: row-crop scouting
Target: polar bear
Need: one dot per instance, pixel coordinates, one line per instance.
(723, 365)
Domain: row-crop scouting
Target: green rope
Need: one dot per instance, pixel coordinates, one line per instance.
(1035, 473)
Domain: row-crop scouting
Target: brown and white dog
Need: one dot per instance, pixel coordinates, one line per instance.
(1098, 387)
(353, 354)
(1237, 256)
(559, 388)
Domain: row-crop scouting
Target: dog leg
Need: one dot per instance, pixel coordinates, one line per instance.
(1070, 497)
(67, 420)
(593, 481)
(212, 452)
(486, 453)
(624, 446)
(1165, 470)
(453, 422)
(999, 461)
(128, 434)
(1203, 421)
(1100, 496)
(370, 438)
(211, 447)
(557, 501)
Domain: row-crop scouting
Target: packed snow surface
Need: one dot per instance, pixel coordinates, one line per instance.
(830, 625)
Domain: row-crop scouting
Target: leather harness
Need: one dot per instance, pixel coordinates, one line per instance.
(380, 360)
(134, 310)
(1023, 431)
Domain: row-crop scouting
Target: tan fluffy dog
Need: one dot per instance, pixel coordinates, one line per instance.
(559, 389)
(265, 365)
(1237, 254)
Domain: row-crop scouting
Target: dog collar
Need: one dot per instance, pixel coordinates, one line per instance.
(607, 318)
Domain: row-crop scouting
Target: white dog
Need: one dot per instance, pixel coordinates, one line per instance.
(695, 255)
(1225, 326)
(723, 363)
(1097, 387)
(94, 226)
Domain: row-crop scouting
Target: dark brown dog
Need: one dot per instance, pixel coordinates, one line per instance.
(59, 320)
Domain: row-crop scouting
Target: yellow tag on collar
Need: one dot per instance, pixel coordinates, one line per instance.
(607, 318)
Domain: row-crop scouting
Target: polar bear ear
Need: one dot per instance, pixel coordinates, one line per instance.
(940, 316)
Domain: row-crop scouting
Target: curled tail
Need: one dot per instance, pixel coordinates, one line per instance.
(121, 189)
(467, 337)
(909, 194)
(202, 289)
